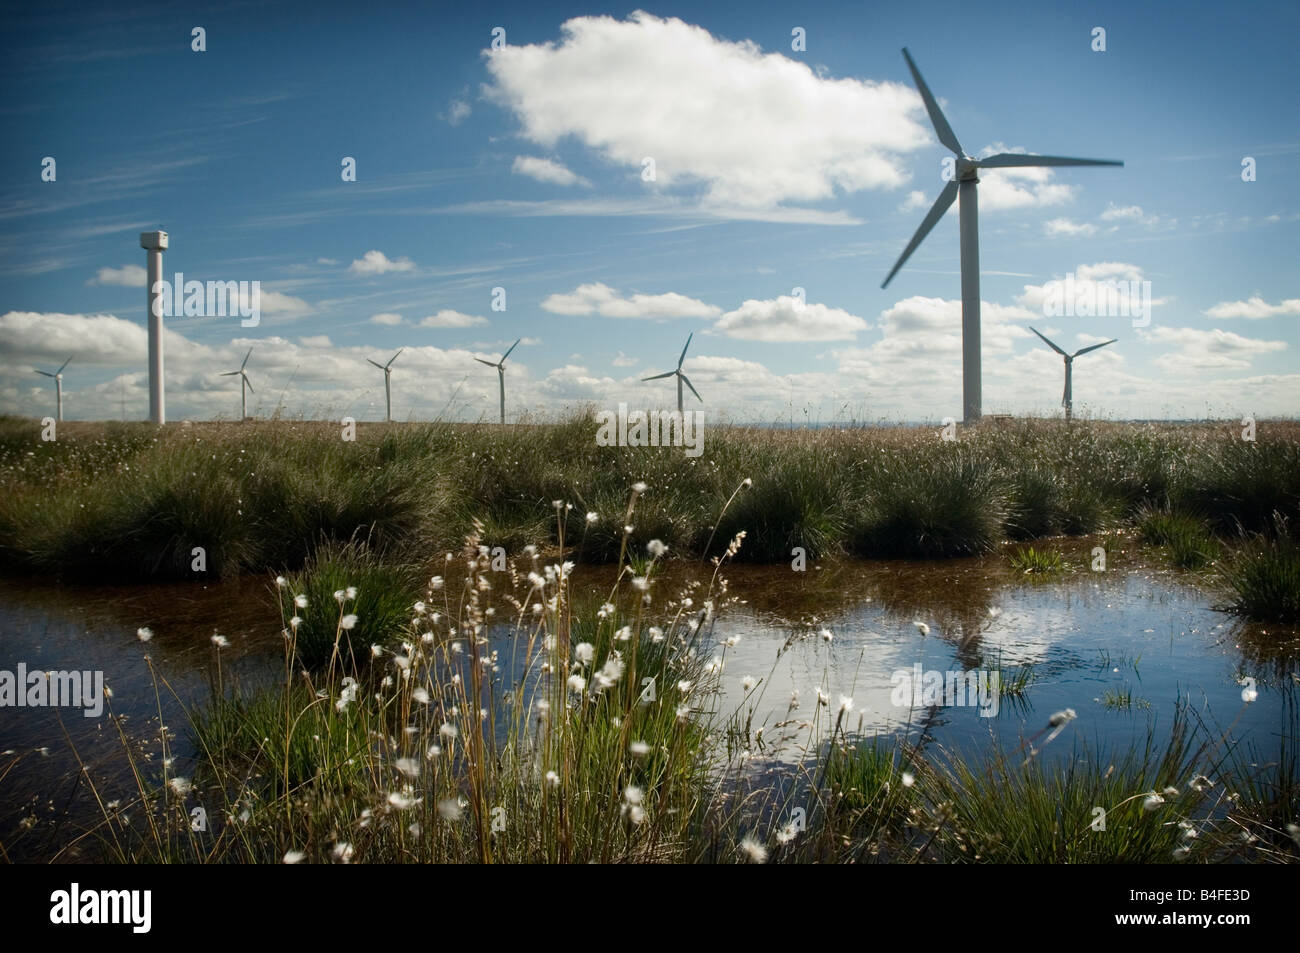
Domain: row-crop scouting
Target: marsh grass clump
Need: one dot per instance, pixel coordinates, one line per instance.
(951, 505)
(1264, 575)
(354, 599)
(1027, 559)
(1186, 539)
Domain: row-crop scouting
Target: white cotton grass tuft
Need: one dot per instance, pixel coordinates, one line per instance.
(300, 601)
(846, 704)
(449, 731)
(180, 786)
(1152, 802)
(449, 809)
(408, 766)
(144, 634)
(1062, 717)
(220, 641)
(552, 779)
(639, 487)
(656, 547)
(748, 683)
(348, 621)
(402, 800)
(826, 635)
(921, 627)
(577, 684)
(908, 779)
(584, 652)
(294, 856)
(752, 850)
(342, 852)
(639, 749)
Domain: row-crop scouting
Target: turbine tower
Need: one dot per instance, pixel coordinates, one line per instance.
(388, 390)
(155, 243)
(501, 375)
(1067, 398)
(681, 378)
(243, 382)
(58, 387)
(963, 187)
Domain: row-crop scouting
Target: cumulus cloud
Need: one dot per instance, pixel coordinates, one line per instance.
(623, 360)
(1115, 213)
(1065, 226)
(386, 318)
(753, 130)
(1253, 308)
(599, 298)
(787, 318)
(375, 262)
(1209, 350)
(546, 170)
(447, 318)
(915, 199)
(128, 276)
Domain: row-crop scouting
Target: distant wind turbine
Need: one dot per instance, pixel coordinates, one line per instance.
(681, 378)
(243, 383)
(963, 184)
(58, 386)
(388, 390)
(1068, 398)
(501, 375)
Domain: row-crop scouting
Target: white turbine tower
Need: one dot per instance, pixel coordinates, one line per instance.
(963, 186)
(388, 390)
(58, 387)
(155, 243)
(1067, 399)
(243, 382)
(681, 378)
(501, 375)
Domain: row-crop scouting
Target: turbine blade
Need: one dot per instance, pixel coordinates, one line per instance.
(46, 373)
(63, 365)
(1093, 347)
(1010, 160)
(941, 204)
(377, 364)
(937, 119)
(512, 347)
(481, 361)
(248, 382)
(659, 376)
(688, 344)
(230, 373)
(246, 357)
(1049, 343)
(687, 381)
(395, 357)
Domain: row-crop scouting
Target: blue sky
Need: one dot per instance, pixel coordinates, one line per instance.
(521, 168)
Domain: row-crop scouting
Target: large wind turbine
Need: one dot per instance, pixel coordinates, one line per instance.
(59, 386)
(501, 375)
(681, 378)
(388, 390)
(1068, 398)
(243, 383)
(963, 187)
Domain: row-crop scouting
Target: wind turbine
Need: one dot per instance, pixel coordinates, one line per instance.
(1068, 398)
(501, 375)
(963, 186)
(681, 378)
(58, 387)
(388, 390)
(243, 383)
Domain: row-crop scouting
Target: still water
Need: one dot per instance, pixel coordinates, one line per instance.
(1120, 647)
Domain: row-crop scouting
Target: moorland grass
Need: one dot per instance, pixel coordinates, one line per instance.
(135, 502)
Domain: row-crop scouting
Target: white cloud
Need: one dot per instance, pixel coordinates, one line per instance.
(452, 319)
(316, 341)
(1208, 350)
(623, 360)
(1065, 226)
(546, 170)
(753, 129)
(1253, 308)
(375, 262)
(1115, 213)
(128, 276)
(599, 298)
(915, 199)
(458, 110)
(386, 317)
(273, 302)
(786, 318)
